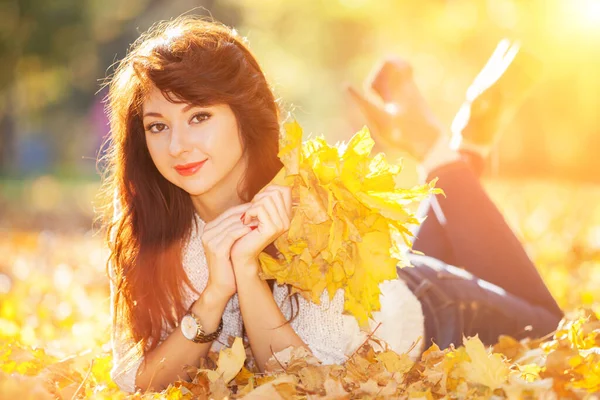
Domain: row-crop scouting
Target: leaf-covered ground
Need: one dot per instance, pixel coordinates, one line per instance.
(54, 325)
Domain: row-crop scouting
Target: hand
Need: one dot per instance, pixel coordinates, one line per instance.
(269, 216)
(218, 238)
(398, 115)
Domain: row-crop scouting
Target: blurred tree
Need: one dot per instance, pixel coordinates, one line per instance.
(37, 39)
(54, 55)
(53, 59)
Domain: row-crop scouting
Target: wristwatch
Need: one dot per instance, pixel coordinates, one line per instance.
(192, 329)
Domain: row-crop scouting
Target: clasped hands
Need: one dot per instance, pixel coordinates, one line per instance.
(233, 240)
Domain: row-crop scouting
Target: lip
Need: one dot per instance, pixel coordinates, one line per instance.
(189, 169)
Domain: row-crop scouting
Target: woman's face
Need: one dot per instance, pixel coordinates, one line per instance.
(196, 148)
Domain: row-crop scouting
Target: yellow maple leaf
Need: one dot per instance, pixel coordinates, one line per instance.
(274, 388)
(587, 367)
(346, 223)
(289, 151)
(450, 367)
(230, 363)
(424, 395)
(486, 368)
(395, 362)
(519, 386)
(335, 390)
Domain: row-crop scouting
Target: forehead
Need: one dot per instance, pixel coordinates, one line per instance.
(156, 102)
(157, 99)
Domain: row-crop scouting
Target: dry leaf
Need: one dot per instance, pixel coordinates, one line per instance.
(231, 361)
(394, 362)
(484, 367)
(345, 228)
(335, 390)
(270, 390)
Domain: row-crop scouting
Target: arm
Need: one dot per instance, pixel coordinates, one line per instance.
(269, 217)
(266, 326)
(164, 364)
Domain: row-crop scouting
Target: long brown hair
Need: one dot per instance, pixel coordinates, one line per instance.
(199, 62)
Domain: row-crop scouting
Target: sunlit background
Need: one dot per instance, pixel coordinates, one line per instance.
(54, 56)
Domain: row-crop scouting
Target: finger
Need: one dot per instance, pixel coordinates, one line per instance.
(227, 226)
(268, 191)
(284, 212)
(287, 198)
(224, 225)
(225, 241)
(228, 213)
(286, 195)
(256, 200)
(276, 200)
(228, 239)
(270, 205)
(266, 224)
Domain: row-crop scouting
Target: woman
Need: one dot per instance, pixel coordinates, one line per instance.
(195, 132)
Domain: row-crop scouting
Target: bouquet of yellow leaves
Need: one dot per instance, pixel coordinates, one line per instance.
(349, 220)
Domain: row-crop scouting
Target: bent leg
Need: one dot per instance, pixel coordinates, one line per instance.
(456, 304)
(467, 230)
(431, 238)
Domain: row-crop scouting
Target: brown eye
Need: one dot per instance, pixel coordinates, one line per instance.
(156, 127)
(199, 117)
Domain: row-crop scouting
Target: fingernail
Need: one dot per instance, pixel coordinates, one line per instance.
(253, 227)
(242, 217)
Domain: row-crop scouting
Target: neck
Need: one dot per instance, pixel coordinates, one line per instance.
(210, 205)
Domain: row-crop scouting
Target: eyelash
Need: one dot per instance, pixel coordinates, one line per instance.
(204, 114)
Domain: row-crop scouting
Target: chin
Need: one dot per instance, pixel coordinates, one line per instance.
(196, 189)
(193, 187)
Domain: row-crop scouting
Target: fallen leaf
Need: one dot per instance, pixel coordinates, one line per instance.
(231, 360)
(484, 367)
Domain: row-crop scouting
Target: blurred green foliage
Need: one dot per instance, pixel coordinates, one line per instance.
(54, 55)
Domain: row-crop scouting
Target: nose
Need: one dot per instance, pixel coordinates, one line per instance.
(179, 142)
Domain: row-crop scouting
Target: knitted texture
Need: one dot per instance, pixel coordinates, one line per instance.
(331, 335)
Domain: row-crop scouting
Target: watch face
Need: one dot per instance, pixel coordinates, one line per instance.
(189, 328)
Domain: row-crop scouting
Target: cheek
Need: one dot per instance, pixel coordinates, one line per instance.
(152, 150)
(224, 146)
(235, 147)
(157, 152)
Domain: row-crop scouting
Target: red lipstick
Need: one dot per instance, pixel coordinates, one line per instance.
(189, 169)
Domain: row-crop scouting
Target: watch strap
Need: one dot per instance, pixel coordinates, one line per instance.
(201, 336)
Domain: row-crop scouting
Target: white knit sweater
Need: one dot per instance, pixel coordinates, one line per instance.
(330, 334)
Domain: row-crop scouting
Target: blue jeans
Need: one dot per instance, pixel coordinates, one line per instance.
(497, 289)
(456, 303)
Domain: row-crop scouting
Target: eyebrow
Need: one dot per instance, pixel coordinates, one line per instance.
(159, 115)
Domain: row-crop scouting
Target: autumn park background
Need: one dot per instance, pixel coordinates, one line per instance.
(55, 55)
